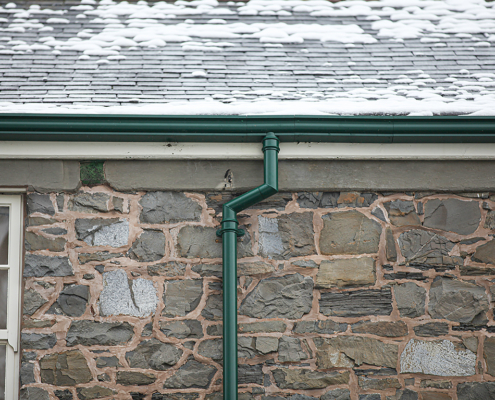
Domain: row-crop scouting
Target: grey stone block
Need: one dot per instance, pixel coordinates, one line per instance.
(356, 303)
(410, 299)
(153, 354)
(38, 341)
(72, 301)
(462, 217)
(112, 232)
(191, 375)
(121, 296)
(40, 203)
(168, 208)
(289, 296)
(181, 297)
(90, 333)
(39, 266)
(458, 301)
(42, 175)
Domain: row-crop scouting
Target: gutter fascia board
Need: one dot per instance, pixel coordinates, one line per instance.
(20, 150)
(242, 129)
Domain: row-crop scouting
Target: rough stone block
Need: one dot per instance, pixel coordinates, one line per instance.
(427, 248)
(27, 373)
(348, 351)
(37, 221)
(89, 202)
(213, 349)
(40, 203)
(55, 231)
(290, 350)
(485, 253)
(105, 362)
(113, 232)
(337, 394)
(458, 301)
(327, 327)
(429, 383)
(65, 369)
(402, 213)
(454, 215)
(213, 308)
(371, 396)
(356, 303)
(266, 344)
(290, 235)
(34, 242)
(34, 393)
(378, 384)
(40, 266)
(94, 392)
(181, 297)
(72, 301)
(191, 375)
(489, 354)
(118, 204)
(410, 299)
(441, 358)
(476, 390)
(131, 378)
(349, 232)
(98, 256)
(32, 301)
(168, 208)
(435, 396)
(390, 250)
(149, 246)
(381, 328)
(169, 269)
(406, 394)
(153, 354)
(432, 329)
(38, 341)
(121, 296)
(202, 242)
(250, 374)
(182, 329)
(352, 272)
(289, 296)
(92, 333)
(305, 379)
(262, 326)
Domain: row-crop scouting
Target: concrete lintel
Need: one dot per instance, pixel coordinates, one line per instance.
(40, 175)
(303, 175)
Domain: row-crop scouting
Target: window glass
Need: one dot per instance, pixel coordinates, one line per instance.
(4, 281)
(2, 372)
(4, 235)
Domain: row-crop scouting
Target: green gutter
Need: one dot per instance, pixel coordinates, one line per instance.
(229, 233)
(152, 128)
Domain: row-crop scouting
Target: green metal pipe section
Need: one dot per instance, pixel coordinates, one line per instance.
(291, 128)
(229, 233)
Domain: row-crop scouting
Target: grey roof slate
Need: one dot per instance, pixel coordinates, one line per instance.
(165, 73)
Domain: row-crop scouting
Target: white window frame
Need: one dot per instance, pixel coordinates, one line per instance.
(10, 337)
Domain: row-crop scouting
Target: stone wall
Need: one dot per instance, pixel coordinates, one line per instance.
(341, 295)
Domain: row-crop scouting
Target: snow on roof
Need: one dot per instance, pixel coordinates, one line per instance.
(418, 57)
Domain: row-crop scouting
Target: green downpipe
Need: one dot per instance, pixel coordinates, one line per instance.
(229, 233)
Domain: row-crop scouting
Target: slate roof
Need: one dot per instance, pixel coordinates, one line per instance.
(39, 65)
